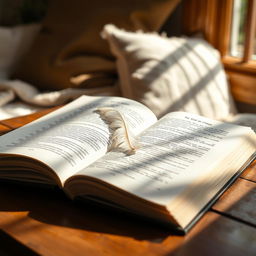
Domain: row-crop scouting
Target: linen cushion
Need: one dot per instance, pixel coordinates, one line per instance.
(69, 51)
(170, 74)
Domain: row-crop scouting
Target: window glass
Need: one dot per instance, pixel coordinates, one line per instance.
(238, 28)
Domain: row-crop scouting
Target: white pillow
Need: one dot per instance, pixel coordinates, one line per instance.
(170, 74)
(14, 43)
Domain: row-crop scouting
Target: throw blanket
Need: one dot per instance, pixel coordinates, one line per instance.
(11, 90)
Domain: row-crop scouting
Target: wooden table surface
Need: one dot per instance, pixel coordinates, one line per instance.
(39, 221)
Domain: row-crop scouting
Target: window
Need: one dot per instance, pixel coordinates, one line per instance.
(243, 32)
(238, 24)
(230, 26)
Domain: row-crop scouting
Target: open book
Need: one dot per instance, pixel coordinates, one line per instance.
(182, 164)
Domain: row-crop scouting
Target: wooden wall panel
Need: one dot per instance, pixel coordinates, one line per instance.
(243, 86)
(212, 18)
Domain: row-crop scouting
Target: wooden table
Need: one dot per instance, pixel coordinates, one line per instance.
(39, 221)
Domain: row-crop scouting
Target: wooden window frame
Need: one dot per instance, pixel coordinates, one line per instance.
(213, 19)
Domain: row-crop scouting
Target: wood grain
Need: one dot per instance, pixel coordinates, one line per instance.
(4, 129)
(250, 172)
(46, 222)
(243, 87)
(239, 201)
(212, 19)
(217, 235)
(50, 224)
(250, 30)
(14, 123)
(10, 247)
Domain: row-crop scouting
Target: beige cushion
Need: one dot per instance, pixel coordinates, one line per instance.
(69, 51)
(170, 74)
(14, 44)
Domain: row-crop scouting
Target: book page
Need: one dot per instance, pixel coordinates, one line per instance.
(174, 151)
(74, 136)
